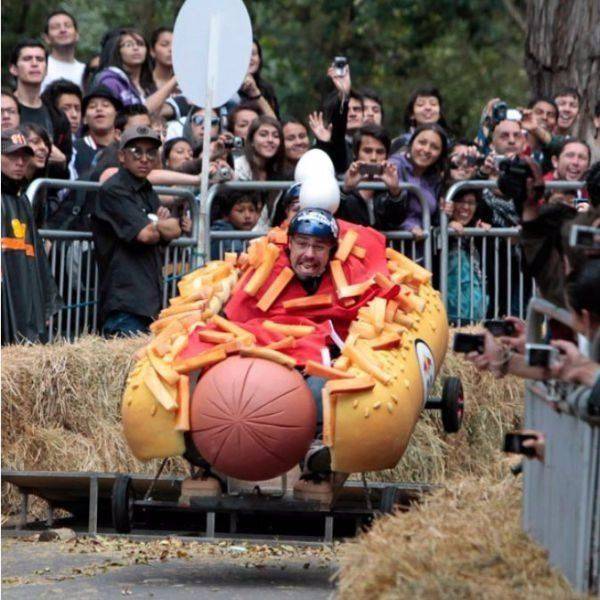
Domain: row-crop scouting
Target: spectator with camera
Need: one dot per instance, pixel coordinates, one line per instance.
(239, 120)
(381, 210)
(423, 164)
(539, 121)
(464, 161)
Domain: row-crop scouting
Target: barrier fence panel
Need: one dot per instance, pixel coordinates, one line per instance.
(481, 273)
(561, 496)
(403, 241)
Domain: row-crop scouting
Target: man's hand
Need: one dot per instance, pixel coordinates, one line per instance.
(390, 178)
(56, 156)
(515, 342)
(489, 166)
(529, 121)
(163, 213)
(418, 232)
(318, 127)
(491, 359)
(352, 177)
(457, 227)
(538, 444)
(342, 83)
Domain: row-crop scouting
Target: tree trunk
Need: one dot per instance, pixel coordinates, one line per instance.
(563, 49)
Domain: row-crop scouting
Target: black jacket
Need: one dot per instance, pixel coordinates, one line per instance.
(387, 214)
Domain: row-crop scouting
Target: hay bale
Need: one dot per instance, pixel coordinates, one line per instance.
(465, 541)
(61, 408)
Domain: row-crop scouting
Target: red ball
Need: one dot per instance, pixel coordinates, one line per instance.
(251, 418)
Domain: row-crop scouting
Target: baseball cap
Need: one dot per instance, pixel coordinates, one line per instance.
(139, 132)
(101, 91)
(13, 140)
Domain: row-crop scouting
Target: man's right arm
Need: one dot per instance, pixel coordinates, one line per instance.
(148, 235)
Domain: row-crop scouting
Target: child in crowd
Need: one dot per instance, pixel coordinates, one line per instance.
(240, 212)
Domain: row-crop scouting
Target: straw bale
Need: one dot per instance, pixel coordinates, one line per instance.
(465, 541)
(61, 409)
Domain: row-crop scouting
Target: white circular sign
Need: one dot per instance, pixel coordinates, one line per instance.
(212, 39)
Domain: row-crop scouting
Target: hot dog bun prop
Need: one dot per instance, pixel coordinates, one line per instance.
(246, 323)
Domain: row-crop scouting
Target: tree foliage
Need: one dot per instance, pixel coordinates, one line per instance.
(471, 49)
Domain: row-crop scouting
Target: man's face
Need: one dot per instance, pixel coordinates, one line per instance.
(15, 165)
(371, 150)
(508, 139)
(372, 111)
(355, 114)
(546, 114)
(568, 109)
(243, 119)
(31, 66)
(10, 113)
(61, 32)
(197, 123)
(572, 162)
(295, 138)
(309, 255)
(243, 215)
(100, 115)
(139, 157)
(71, 106)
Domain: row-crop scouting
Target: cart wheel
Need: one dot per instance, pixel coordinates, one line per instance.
(122, 504)
(388, 500)
(453, 405)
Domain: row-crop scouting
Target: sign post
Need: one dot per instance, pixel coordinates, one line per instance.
(212, 43)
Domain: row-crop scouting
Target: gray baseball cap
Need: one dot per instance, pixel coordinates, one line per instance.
(139, 132)
(13, 141)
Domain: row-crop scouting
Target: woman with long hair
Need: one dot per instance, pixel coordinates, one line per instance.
(161, 51)
(127, 71)
(425, 106)
(423, 164)
(257, 89)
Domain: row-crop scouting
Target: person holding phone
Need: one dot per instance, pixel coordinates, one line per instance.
(381, 210)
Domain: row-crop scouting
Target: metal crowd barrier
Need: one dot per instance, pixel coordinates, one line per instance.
(495, 284)
(73, 265)
(561, 496)
(404, 241)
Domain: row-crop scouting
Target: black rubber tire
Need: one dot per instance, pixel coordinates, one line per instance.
(122, 504)
(388, 500)
(452, 405)
(191, 453)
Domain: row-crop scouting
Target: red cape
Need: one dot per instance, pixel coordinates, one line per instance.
(242, 308)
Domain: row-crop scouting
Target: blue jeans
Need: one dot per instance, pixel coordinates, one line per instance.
(121, 324)
(315, 385)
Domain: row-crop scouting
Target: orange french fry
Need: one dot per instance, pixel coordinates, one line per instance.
(160, 324)
(363, 330)
(355, 384)
(317, 301)
(359, 358)
(403, 319)
(215, 337)
(199, 362)
(341, 363)
(346, 245)
(357, 289)
(183, 394)
(328, 417)
(385, 341)
(293, 330)
(337, 272)
(409, 300)
(275, 289)
(165, 394)
(278, 236)
(418, 273)
(377, 308)
(225, 325)
(384, 282)
(231, 258)
(182, 308)
(319, 370)
(358, 251)
(390, 310)
(268, 354)
(262, 271)
(178, 345)
(283, 344)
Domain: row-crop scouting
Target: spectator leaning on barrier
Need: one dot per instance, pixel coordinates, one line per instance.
(381, 210)
(128, 227)
(29, 294)
(27, 64)
(239, 212)
(61, 35)
(424, 165)
(9, 111)
(65, 96)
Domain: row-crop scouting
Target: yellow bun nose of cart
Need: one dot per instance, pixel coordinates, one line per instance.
(370, 430)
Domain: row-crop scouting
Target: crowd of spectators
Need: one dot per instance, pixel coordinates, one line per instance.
(73, 116)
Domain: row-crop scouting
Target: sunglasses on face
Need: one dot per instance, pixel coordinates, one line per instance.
(138, 153)
(199, 120)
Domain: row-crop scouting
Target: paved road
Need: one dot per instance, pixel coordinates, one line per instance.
(109, 569)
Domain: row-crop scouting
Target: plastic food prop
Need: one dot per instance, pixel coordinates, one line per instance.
(252, 419)
(380, 304)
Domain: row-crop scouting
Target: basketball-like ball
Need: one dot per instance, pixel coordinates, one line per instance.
(251, 418)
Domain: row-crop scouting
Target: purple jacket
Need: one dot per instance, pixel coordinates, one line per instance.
(119, 84)
(430, 184)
